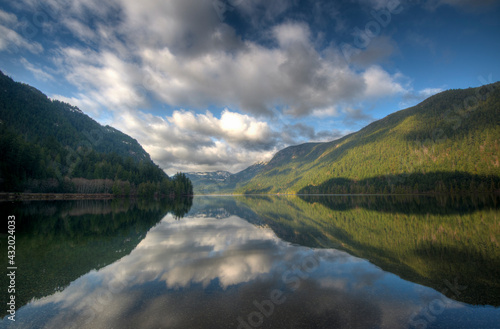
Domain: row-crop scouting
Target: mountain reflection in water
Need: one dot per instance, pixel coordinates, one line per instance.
(239, 263)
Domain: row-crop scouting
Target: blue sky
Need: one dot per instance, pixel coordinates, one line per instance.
(220, 84)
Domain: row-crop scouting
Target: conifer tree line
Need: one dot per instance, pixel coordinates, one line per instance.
(449, 143)
(48, 146)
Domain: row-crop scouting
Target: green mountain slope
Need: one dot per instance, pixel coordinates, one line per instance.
(448, 143)
(32, 114)
(244, 176)
(51, 146)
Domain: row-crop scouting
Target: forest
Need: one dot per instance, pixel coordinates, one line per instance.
(449, 143)
(48, 146)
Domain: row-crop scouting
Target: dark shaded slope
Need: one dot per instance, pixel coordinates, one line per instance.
(48, 146)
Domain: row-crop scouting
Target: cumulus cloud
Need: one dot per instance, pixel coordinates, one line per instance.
(292, 33)
(326, 112)
(234, 128)
(204, 62)
(189, 141)
(181, 54)
(105, 77)
(380, 82)
(185, 27)
(427, 92)
(231, 141)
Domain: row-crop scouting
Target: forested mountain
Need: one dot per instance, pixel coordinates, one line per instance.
(51, 146)
(448, 143)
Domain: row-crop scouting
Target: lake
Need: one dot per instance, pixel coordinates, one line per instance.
(256, 262)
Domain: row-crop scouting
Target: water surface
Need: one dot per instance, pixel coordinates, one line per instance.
(259, 262)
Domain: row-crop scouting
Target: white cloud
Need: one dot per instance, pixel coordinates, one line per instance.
(232, 127)
(380, 83)
(37, 72)
(87, 105)
(427, 92)
(187, 141)
(7, 18)
(13, 42)
(181, 54)
(104, 77)
(204, 63)
(292, 33)
(79, 29)
(326, 112)
(412, 97)
(197, 142)
(187, 27)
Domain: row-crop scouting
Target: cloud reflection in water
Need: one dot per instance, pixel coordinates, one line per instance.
(203, 272)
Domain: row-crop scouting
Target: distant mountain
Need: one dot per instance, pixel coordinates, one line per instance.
(207, 182)
(223, 181)
(51, 146)
(448, 143)
(209, 176)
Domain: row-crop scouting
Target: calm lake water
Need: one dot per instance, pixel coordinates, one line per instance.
(256, 262)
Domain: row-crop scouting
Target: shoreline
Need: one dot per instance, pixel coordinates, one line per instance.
(18, 196)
